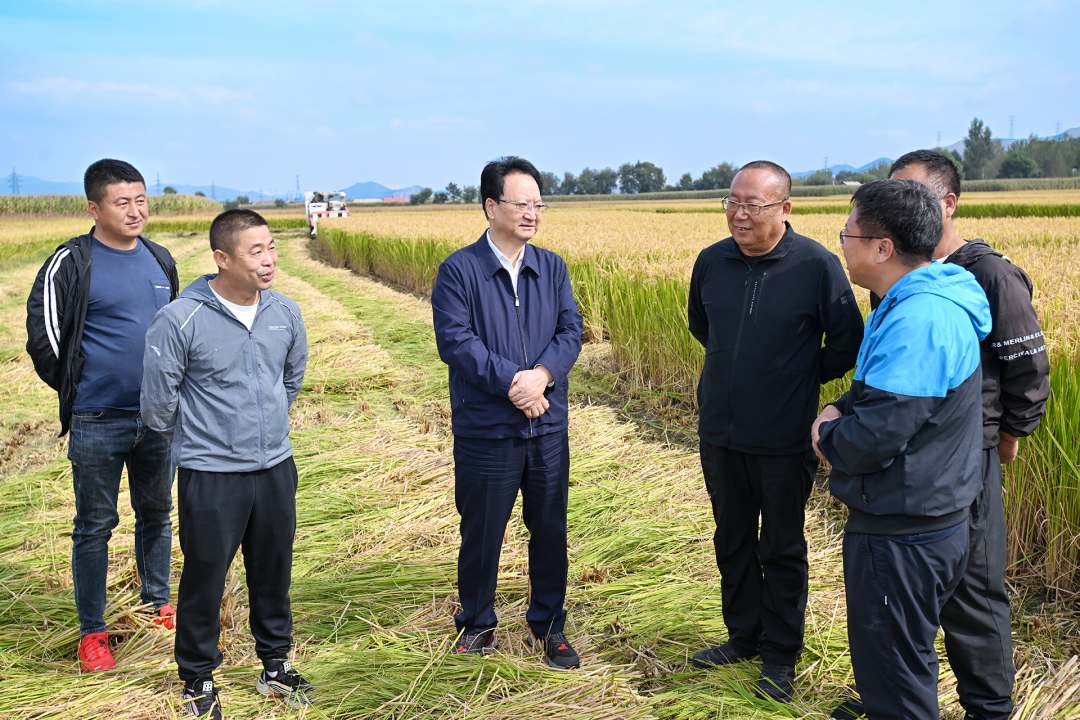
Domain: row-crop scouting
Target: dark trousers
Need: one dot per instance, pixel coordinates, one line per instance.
(763, 581)
(220, 512)
(895, 593)
(488, 474)
(978, 636)
(101, 445)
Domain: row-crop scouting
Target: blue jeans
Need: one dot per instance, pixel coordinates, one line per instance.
(101, 444)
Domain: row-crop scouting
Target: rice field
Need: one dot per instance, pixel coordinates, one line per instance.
(374, 579)
(631, 274)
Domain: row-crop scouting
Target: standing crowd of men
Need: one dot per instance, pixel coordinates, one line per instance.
(949, 372)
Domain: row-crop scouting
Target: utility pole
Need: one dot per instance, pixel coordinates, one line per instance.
(14, 182)
(827, 168)
(298, 197)
(938, 139)
(1011, 118)
(213, 191)
(260, 192)
(159, 183)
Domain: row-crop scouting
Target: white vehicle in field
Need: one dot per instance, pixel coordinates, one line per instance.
(320, 204)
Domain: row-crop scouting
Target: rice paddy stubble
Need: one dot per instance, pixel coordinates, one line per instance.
(374, 591)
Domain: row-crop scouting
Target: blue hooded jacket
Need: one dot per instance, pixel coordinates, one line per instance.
(907, 453)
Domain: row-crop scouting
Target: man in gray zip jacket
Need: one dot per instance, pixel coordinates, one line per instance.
(222, 366)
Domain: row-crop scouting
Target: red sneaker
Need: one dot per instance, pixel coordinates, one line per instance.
(94, 655)
(166, 617)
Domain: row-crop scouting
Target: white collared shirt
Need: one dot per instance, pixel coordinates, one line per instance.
(511, 267)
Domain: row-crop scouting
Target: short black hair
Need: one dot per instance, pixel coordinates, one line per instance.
(781, 174)
(941, 171)
(493, 177)
(226, 228)
(104, 173)
(906, 212)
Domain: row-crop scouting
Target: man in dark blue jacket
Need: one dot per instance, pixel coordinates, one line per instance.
(507, 325)
(761, 301)
(905, 444)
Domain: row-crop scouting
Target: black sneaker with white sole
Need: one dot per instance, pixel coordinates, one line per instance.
(558, 652)
(278, 678)
(201, 699)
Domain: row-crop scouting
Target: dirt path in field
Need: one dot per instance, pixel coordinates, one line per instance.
(374, 585)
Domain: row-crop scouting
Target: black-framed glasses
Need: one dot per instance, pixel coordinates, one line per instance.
(524, 207)
(844, 236)
(751, 208)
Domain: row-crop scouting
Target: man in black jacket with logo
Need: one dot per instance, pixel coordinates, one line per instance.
(1015, 385)
(760, 302)
(86, 333)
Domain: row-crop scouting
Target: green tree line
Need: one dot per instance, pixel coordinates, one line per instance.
(985, 158)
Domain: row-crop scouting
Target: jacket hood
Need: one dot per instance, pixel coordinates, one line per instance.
(950, 282)
(971, 252)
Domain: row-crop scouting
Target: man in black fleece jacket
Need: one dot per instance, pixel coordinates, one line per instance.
(760, 302)
(1015, 386)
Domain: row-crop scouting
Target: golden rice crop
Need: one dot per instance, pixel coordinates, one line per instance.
(631, 271)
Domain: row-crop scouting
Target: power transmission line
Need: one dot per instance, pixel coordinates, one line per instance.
(1011, 118)
(938, 139)
(14, 182)
(158, 183)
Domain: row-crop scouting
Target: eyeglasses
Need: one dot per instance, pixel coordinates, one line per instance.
(844, 236)
(524, 207)
(751, 208)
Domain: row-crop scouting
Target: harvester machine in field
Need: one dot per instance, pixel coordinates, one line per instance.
(322, 204)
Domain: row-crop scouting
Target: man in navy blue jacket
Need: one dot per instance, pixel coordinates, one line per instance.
(905, 444)
(507, 325)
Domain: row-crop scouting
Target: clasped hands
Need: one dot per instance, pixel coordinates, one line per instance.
(527, 391)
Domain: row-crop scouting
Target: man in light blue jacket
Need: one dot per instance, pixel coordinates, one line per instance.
(222, 366)
(905, 445)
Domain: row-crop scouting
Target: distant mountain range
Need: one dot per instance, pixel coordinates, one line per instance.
(1006, 142)
(843, 167)
(373, 190)
(29, 185)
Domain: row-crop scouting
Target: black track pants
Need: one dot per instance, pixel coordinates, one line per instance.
(895, 592)
(976, 618)
(220, 512)
(763, 580)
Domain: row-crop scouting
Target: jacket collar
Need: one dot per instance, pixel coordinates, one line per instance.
(491, 265)
(731, 250)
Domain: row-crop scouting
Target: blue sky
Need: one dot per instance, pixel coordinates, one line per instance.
(253, 94)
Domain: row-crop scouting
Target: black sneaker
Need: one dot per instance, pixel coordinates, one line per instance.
(850, 709)
(558, 652)
(279, 678)
(201, 699)
(481, 643)
(726, 654)
(777, 682)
